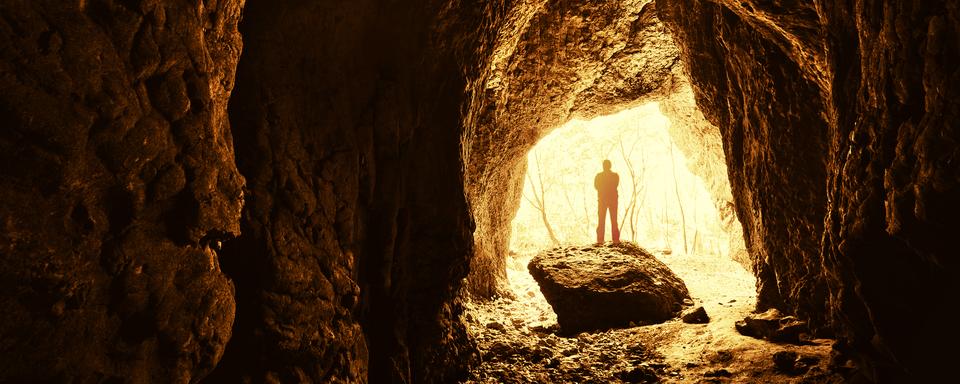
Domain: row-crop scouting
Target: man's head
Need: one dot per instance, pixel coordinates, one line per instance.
(606, 165)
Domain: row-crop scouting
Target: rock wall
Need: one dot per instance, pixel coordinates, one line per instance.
(117, 184)
(839, 125)
(702, 146)
(357, 233)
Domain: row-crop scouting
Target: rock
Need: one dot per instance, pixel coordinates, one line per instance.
(496, 326)
(607, 287)
(718, 373)
(541, 353)
(638, 375)
(791, 331)
(696, 315)
(785, 361)
(722, 357)
(772, 325)
(500, 348)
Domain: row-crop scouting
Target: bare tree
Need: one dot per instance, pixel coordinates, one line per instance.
(630, 214)
(587, 220)
(582, 226)
(665, 217)
(676, 189)
(696, 226)
(538, 200)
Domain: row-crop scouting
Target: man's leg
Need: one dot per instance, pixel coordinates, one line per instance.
(601, 214)
(614, 228)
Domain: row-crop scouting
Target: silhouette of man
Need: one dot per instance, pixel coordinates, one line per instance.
(606, 185)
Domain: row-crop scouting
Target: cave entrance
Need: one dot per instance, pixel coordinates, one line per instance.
(664, 206)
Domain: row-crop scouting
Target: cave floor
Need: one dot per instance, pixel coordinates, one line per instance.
(519, 342)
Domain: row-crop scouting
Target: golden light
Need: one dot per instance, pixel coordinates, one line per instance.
(662, 204)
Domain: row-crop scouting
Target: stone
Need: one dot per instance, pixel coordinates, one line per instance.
(772, 325)
(793, 363)
(696, 315)
(720, 372)
(495, 326)
(638, 375)
(607, 286)
(785, 361)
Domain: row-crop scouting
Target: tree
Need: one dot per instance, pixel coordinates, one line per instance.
(583, 227)
(676, 189)
(631, 213)
(538, 201)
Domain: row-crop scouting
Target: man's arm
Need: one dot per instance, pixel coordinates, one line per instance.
(596, 182)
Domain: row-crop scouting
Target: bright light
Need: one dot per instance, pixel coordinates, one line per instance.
(662, 205)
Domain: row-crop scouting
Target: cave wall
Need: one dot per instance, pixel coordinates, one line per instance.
(779, 197)
(839, 127)
(120, 185)
(356, 235)
(702, 146)
(117, 183)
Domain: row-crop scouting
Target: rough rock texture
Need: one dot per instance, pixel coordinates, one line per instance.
(599, 287)
(701, 144)
(552, 60)
(357, 232)
(557, 60)
(773, 326)
(839, 125)
(117, 184)
(366, 128)
(696, 315)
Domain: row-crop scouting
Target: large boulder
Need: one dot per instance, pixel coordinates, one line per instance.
(599, 287)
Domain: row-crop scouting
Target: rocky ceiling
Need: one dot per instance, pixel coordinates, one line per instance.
(373, 137)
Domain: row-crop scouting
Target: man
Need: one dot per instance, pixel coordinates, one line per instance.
(606, 185)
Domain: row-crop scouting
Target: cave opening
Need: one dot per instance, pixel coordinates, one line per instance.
(549, 113)
(664, 206)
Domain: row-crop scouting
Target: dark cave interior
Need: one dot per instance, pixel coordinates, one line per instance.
(307, 191)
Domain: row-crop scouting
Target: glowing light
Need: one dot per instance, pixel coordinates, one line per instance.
(662, 204)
